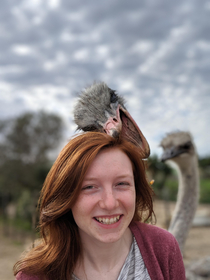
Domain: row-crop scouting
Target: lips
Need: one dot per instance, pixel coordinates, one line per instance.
(108, 221)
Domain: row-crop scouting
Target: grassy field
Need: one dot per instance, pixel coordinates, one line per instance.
(171, 188)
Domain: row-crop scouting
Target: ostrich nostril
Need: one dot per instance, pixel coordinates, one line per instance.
(114, 119)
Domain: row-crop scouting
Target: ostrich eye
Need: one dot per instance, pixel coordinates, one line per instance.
(113, 96)
(186, 146)
(90, 128)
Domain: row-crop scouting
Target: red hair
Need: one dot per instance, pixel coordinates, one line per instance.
(60, 247)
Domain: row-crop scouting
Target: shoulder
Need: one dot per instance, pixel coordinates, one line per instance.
(23, 276)
(152, 234)
(148, 228)
(159, 250)
(156, 240)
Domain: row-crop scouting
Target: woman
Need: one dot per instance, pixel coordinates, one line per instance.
(93, 206)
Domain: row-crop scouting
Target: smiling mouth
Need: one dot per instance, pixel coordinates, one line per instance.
(107, 221)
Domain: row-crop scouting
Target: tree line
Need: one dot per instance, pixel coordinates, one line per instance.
(26, 143)
(25, 146)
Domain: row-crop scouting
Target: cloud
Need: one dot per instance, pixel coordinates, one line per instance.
(155, 53)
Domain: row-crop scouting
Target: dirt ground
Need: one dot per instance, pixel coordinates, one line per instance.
(197, 245)
(198, 242)
(10, 251)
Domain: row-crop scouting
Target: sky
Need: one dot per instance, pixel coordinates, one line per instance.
(155, 53)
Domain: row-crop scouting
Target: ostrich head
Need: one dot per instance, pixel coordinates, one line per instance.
(100, 108)
(178, 147)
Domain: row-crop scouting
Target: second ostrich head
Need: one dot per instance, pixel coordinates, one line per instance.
(178, 147)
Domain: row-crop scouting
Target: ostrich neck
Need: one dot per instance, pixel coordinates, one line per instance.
(187, 201)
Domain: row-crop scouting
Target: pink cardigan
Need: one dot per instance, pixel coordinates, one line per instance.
(159, 250)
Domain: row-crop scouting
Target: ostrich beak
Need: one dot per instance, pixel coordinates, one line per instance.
(113, 126)
(176, 151)
(171, 153)
(125, 125)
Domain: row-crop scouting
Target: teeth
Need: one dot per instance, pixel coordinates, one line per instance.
(108, 221)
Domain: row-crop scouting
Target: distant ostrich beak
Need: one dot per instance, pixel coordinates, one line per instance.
(169, 153)
(125, 125)
(174, 152)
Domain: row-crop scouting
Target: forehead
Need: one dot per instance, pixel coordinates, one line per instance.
(111, 158)
(112, 153)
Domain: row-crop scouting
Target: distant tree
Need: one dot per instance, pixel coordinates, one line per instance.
(32, 136)
(25, 145)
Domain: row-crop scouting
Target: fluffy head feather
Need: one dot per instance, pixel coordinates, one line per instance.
(100, 108)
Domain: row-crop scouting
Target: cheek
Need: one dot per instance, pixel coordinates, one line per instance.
(77, 210)
(82, 208)
(79, 215)
(130, 201)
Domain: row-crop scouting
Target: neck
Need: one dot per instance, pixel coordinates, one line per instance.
(187, 201)
(103, 258)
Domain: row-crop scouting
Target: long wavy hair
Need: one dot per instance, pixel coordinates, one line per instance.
(60, 247)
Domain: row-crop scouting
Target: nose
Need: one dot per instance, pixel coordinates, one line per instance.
(108, 200)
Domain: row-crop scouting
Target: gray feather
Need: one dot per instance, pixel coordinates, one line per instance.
(95, 104)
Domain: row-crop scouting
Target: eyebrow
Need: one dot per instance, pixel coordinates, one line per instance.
(123, 176)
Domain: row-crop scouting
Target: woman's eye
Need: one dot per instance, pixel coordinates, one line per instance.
(122, 184)
(87, 188)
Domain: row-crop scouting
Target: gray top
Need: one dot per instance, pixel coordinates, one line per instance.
(134, 267)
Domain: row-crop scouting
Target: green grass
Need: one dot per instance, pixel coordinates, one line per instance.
(17, 223)
(205, 191)
(22, 224)
(171, 189)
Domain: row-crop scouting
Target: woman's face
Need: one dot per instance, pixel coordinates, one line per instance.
(106, 204)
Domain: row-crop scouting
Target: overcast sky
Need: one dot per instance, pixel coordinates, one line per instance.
(155, 53)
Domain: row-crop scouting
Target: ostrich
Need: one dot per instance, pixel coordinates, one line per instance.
(179, 149)
(100, 108)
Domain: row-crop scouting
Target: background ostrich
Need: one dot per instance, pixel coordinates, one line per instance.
(100, 108)
(179, 148)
